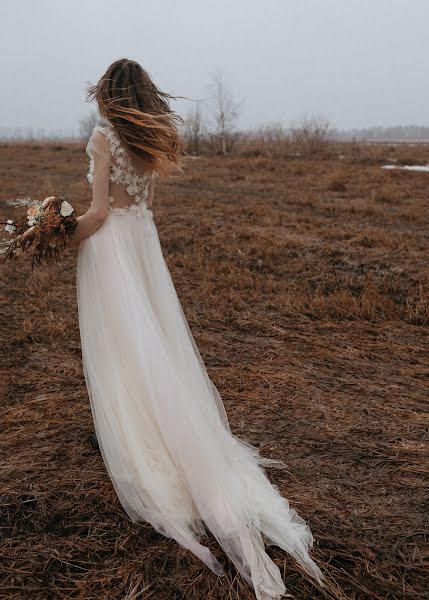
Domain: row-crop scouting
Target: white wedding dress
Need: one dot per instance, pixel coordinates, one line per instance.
(160, 421)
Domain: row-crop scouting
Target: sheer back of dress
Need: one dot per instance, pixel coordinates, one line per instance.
(128, 189)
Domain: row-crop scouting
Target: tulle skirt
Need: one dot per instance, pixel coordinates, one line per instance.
(160, 421)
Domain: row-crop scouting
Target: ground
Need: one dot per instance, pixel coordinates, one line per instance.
(305, 284)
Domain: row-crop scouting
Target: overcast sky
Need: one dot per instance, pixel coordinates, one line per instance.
(357, 62)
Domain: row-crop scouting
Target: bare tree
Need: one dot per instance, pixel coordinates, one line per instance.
(87, 124)
(194, 128)
(224, 111)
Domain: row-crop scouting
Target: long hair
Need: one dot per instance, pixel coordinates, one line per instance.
(141, 116)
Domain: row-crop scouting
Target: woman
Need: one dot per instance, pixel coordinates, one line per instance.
(160, 422)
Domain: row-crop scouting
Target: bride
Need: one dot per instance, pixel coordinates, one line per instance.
(160, 422)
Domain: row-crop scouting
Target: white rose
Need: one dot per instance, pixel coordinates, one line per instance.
(10, 227)
(46, 200)
(66, 209)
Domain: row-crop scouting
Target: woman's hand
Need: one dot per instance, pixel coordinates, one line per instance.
(88, 223)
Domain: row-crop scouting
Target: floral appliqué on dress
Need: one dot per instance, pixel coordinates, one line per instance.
(122, 171)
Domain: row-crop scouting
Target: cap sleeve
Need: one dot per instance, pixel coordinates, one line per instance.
(98, 145)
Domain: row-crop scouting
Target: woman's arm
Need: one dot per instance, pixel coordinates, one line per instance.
(99, 209)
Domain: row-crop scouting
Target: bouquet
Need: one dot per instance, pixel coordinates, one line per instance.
(44, 232)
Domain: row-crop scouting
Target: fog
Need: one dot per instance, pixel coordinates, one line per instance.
(358, 63)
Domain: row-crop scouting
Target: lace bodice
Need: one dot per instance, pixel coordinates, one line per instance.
(122, 172)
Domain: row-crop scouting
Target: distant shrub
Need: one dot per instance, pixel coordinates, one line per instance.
(312, 136)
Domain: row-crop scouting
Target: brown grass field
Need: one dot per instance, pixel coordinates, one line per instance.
(305, 282)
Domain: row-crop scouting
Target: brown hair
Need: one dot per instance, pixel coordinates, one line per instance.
(141, 116)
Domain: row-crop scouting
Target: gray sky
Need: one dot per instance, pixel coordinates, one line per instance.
(356, 62)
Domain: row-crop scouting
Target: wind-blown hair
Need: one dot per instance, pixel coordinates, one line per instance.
(141, 116)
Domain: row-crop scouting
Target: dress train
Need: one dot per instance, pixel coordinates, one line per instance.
(160, 421)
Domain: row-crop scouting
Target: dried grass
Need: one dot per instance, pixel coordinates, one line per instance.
(311, 311)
